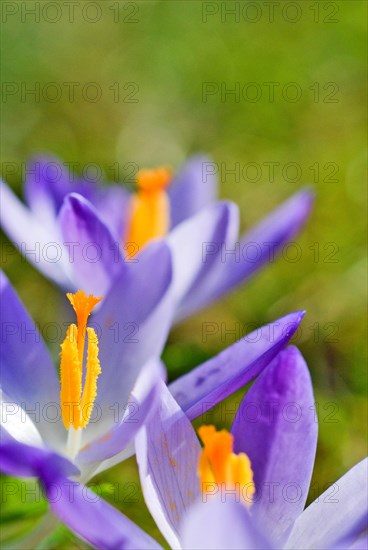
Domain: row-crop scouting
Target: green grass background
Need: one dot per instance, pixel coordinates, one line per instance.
(168, 54)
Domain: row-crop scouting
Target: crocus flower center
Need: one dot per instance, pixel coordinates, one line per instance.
(221, 470)
(150, 208)
(77, 401)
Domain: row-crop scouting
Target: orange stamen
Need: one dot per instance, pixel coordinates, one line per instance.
(77, 407)
(219, 465)
(150, 208)
(153, 180)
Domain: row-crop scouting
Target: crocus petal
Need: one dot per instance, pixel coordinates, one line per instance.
(339, 513)
(112, 203)
(203, 387)
(21, 460)
(221, 523)
(46, 183)
(28, 376)
(360, 544)
(167, 452)
(93, 519)
(357, 541)
(197, 245)
(255, 249)
(16, 423)
(276, 427)
(194, 187)
(113, 206)
(94, 255)
(39, 243)
(141, 406)
(132, 322)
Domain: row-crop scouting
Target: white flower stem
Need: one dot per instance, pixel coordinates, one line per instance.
(74, 441)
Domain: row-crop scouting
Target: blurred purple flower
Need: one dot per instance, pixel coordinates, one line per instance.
(73, 231)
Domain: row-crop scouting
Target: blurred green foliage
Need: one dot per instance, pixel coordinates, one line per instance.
(166, 55)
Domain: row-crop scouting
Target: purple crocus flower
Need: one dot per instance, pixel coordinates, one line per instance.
(275, 426)
(126, 387)
(75, 231)
(34, 442)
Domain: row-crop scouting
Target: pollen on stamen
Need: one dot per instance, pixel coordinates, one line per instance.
(93, 370)
(219, 465)
(70, 379)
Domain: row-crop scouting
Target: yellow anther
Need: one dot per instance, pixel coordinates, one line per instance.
(150, 208)
(93, 369)
(219, 465)
(71, 379)
(77, 407)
